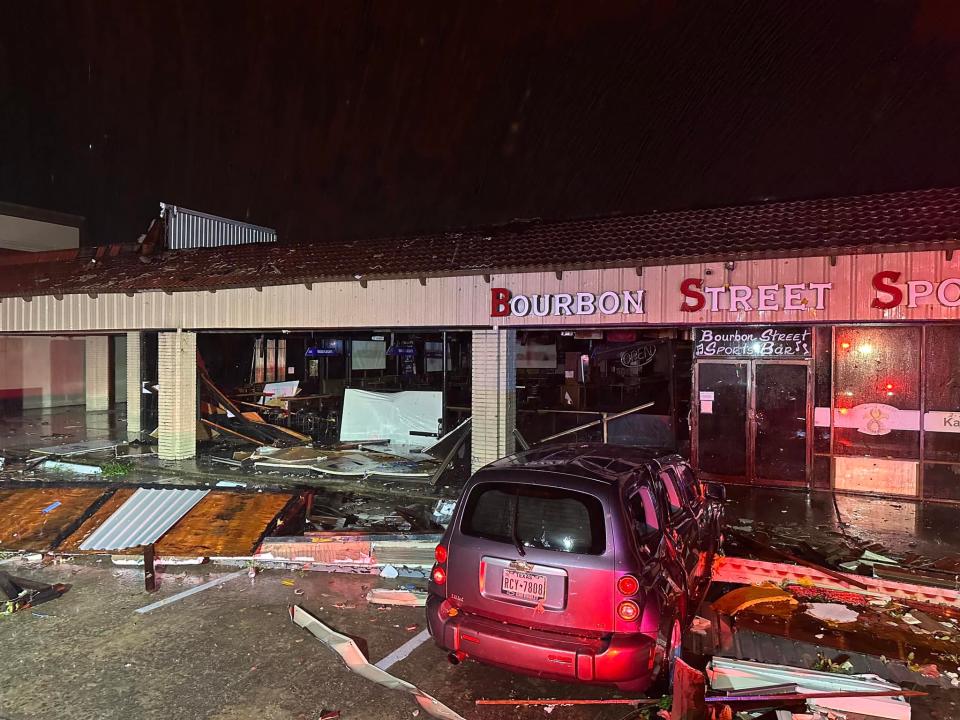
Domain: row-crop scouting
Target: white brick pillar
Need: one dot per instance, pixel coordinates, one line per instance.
(178, 395)
(96, 377)
(134, 396)
(494, 390)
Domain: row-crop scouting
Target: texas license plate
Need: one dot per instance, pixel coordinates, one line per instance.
(525, 586)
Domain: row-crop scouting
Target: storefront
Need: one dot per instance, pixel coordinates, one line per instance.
(806, 344)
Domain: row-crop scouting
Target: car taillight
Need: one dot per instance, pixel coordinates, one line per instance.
(628, 610)
(440, 553)
(628, 585)
(439, 575)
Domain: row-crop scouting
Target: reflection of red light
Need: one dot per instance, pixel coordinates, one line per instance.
(844, 411)
(628, 610)
(844, 346)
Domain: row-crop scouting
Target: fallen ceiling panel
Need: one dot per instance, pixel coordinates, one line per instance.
(38, 518)
(143, 519)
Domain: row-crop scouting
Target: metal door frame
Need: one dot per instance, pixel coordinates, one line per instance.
(750, 429)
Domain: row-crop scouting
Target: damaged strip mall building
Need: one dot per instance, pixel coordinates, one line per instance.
(808, 344)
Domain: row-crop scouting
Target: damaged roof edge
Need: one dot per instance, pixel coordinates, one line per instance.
(889, 222)
(640, 263)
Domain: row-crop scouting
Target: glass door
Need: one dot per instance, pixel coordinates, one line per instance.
(722, 406)
(752, 420)
(780, 421)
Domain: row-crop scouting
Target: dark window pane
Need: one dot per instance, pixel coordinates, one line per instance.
(942, 368)
(877, 391)
(643, 512)
(547, 518)
(821, 393)
(688, 478)
(673, 497)
(781, 418)
(941, 481)
(722, 438)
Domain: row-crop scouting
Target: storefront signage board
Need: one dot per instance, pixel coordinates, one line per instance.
(780, 342)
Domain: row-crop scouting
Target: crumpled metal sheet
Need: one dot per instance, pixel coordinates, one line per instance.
(143, 519)
(347, 649)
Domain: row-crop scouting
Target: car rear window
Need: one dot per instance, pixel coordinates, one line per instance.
(546, 518)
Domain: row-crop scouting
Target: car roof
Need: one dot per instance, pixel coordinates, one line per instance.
(594, 461)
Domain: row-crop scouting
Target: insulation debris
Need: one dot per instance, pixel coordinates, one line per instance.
(347, 649)
(832, 613)
(742, 598)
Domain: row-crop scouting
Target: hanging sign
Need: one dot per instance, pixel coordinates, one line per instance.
(773, 342)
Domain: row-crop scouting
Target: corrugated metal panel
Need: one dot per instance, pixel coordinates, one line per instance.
(143, 519)
(464, 301)
(188, 229)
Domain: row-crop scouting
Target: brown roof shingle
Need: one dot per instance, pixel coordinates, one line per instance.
(904, 220)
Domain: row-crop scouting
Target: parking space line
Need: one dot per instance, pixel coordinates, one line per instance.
(404, 650)
(191, 591)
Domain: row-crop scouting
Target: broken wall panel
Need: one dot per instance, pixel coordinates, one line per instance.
(38, 518)
(224, 524)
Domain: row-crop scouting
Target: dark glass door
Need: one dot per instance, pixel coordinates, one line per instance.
(722, 393)
(780, 421)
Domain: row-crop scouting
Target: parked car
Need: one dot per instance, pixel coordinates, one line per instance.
(576, 562)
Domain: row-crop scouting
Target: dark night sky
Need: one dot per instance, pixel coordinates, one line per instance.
(350, 119)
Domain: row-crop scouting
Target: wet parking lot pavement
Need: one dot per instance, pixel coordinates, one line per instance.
(231, 651)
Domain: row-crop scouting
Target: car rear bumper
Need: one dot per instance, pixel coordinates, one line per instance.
(623, 660)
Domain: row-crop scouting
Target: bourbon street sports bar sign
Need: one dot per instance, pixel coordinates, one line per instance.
(776, 342)
(694, 295)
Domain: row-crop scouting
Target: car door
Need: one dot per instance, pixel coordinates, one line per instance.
(703, 510)
(682, 525)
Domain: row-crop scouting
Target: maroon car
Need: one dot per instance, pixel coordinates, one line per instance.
(576, 562)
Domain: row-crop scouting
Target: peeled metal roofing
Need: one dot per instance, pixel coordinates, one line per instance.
(143, 519)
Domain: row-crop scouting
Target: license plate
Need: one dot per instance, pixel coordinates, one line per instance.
(525, 586)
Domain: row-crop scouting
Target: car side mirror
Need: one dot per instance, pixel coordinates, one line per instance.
(715, 491)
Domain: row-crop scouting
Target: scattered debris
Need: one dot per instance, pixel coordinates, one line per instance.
(71, 467)
(380, 596)
(18, 593)
(347, 649)
(864, 696)
(832, 613)
(443, 512)
(84, 447)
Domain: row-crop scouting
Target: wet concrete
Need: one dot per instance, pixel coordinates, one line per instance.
(232, 652)
(900, 526)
